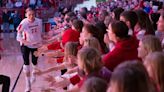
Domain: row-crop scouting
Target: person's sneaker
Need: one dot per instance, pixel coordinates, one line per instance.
(28, 88)
(33, 75)
(27, 91)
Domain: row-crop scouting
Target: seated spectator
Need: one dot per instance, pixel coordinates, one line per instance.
(76, 25)
(154, 18)
(108, 20)
(154, 64)
(92, 42)
(148, 45)
(89, 61)
(144, 25)
(116, 13)
(70, 34)
(90, 30)
(90, 65)
(106, 40)
(125, 45)
(5, 81)
(102, 15)
(83, 15)
(83, 12)
(131, 19)
(130, 76)
(70, 52)
(102, 31)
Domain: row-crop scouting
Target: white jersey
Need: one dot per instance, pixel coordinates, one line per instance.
(30, 31)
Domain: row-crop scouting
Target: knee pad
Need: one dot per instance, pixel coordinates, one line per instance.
(26, 68)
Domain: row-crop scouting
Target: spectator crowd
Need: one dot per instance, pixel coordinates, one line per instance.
(114, 47)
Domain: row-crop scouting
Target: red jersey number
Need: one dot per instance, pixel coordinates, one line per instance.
(34, 30)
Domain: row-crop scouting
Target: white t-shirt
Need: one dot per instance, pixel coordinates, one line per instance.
(31, 32)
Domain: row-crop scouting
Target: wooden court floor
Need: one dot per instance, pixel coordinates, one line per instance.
(12, 61)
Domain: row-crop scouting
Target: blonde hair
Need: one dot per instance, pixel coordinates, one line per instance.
(70, 49)
(156, 62)
(92, 42)
(151, 43)
(90, 58)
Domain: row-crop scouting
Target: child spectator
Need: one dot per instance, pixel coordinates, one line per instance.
(89, 61)
(90, 65)
(70, 53)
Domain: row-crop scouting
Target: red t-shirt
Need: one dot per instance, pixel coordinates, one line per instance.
(124, 50)
(68, 36)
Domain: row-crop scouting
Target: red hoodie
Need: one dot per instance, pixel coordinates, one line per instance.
(124, 50)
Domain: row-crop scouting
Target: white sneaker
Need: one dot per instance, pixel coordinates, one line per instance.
(28, 88)
(33, 78)
(33, 75)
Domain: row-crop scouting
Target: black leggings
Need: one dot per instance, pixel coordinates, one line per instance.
(5, 81)
(26, 52)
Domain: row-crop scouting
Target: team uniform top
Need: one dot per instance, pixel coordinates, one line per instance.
(30, 31)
